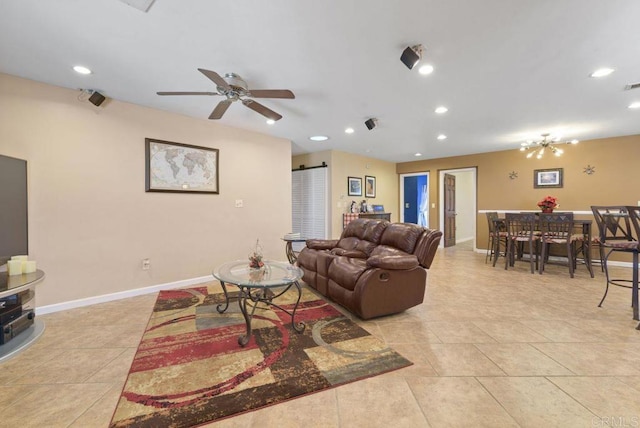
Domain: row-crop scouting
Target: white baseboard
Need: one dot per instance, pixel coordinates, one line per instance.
(41, 310)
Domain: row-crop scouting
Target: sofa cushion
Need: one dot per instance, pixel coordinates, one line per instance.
(402, 236)
(367, 229)
(346, 271)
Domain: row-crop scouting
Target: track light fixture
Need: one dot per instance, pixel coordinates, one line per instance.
(412, 55)
(538, 148)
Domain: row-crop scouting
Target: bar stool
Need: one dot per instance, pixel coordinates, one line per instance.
(497, 236)
(556, 229)
(521, 229)
(619, 228)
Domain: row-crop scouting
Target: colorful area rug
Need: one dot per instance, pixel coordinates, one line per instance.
(190, 370)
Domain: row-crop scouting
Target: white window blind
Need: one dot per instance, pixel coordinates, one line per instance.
(309, 203)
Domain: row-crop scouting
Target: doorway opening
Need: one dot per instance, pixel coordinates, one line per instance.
(414, 197)
(458, 202)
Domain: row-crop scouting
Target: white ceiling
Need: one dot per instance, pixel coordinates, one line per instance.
(508, 70)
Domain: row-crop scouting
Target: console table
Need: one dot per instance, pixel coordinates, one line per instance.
(23, 285)
(348, 217)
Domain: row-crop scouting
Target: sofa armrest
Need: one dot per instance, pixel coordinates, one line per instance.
(354, 254)
(393, 262)
(321, 244)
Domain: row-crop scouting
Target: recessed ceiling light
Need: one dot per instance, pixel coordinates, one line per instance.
(601, 72)
(426, 69)
(81, 69)
(442, 137)
(441, 109)
(635, 105)
(418, 154)
(319, 138)
(270, 121)
(349, 130)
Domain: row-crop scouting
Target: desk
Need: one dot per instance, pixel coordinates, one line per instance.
(257, 286)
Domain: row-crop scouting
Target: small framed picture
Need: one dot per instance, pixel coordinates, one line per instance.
(355, 186)
(369, 186)
(543, 178)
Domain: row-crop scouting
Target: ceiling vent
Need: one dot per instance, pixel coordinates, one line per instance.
(631, 86)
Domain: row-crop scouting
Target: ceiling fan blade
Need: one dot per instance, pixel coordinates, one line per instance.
(187, 93)
(220, 109)
(271, 93)
(215, 78)
(259, 108)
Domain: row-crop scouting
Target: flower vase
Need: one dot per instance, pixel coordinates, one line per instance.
(547, 210)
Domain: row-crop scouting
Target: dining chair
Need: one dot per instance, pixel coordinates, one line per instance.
(497, 236)
(617, 233)
(634, 215)
(556, 228)
(521, 229)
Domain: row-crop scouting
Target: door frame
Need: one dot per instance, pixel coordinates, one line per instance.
(401, 201)
(474, 195)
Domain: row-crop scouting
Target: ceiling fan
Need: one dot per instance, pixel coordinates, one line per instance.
(235, 89)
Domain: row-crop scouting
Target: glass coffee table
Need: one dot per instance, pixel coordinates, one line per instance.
(259, 286)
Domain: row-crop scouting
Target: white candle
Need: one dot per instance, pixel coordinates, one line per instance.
(29, 266)
(23, 258)
(14, 267)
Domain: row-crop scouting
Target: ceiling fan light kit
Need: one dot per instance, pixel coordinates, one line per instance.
(234, 88)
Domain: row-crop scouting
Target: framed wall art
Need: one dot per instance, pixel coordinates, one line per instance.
(551, 178)
(354, 186)
(369, 186)
(182, 168)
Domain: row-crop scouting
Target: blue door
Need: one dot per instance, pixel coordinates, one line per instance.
(416, 199)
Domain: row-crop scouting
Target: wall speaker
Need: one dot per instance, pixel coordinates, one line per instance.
(412, 55)
(96, 98)
(371, 123)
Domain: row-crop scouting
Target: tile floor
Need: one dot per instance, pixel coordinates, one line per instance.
(491, 348)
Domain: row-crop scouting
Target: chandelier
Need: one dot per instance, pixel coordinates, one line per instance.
(538, 148)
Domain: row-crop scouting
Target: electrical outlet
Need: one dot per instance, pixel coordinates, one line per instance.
(146, 264)
(239, 203)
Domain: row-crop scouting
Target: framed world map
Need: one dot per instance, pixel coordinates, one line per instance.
(176, 167)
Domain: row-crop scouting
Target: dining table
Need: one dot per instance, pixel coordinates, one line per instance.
(582, 240)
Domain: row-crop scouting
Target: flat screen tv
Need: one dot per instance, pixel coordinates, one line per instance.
(13, 208)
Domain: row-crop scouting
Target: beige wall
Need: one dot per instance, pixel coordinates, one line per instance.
(615, 181)
(90, 220)
(343, 165)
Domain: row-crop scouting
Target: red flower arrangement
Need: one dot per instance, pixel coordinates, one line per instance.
(548, 204)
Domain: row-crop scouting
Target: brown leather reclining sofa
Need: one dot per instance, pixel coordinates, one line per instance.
(376, 267)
